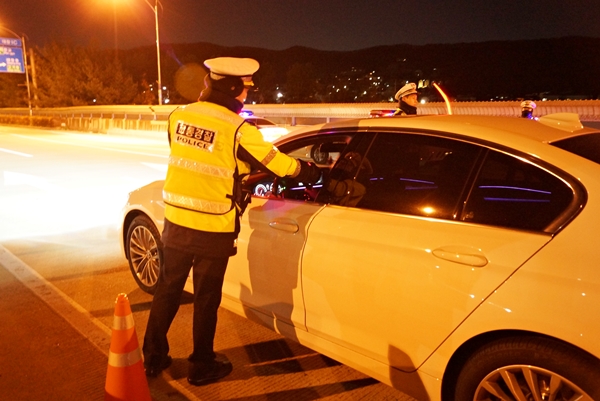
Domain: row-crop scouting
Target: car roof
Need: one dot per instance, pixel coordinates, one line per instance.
(509, 131)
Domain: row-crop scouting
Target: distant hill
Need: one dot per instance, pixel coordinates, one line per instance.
(561, 68)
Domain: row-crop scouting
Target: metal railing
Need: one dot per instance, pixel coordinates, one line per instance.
(154, 118)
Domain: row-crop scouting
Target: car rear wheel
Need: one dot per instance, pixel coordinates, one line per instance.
(527, 368)
(145, 254)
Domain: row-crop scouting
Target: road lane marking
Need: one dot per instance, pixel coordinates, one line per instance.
(12, 178)
(92, 147)
(77, 316)
(15, 152)
(160, 167)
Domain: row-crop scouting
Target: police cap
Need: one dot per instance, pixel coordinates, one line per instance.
(232, 66)
(408, 89)
(528, 104)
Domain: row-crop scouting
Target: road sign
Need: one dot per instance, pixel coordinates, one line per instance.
(11, 56)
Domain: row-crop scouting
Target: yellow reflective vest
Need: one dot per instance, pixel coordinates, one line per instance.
(199, 190)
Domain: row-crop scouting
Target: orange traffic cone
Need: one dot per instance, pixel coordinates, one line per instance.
(125, 377)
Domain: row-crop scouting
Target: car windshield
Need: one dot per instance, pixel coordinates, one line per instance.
(587, 146)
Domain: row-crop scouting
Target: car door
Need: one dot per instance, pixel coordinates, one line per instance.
(392, 275)
(265, 274)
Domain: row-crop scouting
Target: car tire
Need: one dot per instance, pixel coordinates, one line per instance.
(522, 367)
(144, 250)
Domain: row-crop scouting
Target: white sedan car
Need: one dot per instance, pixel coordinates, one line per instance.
(451, 257)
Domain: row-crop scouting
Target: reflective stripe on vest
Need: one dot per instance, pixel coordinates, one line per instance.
(200, 205)
(201, 168)
(270, 156)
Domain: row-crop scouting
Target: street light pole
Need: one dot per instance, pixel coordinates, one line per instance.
(27, 75)
(155, 9)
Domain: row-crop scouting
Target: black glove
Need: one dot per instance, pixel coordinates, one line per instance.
(309, 173)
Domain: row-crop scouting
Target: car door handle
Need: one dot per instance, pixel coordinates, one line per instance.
(286, 225)
(461, 254)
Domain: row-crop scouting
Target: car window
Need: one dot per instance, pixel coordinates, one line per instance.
(323, 150)
(587, 146)
(403, 173)
(345, 183)
(511, 192)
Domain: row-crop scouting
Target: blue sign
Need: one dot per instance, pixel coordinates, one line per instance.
(11, 56)
(10, 42)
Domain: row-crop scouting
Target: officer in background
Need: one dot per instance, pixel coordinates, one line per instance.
(527, 107)
(407, 100)
(212, 149)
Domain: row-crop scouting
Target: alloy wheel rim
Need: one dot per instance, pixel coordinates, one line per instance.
(528, 383)
(143, 252)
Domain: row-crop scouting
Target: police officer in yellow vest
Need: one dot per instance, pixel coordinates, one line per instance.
(212, 149)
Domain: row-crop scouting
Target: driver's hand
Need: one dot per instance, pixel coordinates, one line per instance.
(309, 174)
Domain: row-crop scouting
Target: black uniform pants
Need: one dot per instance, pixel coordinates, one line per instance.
(208, 283)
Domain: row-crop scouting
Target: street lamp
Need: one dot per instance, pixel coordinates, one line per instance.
(22, 37)
(155, 9)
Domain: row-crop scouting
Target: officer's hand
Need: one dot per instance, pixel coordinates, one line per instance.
(309, 173)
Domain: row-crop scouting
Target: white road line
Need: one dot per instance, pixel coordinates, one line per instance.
(15, 153)
(14, 178)
(160, 167)
(80, 319)
(92, 147)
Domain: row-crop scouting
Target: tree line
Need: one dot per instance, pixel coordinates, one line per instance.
(65, 75)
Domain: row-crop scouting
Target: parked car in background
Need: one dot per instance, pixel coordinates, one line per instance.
(451, 257)
(381, 113)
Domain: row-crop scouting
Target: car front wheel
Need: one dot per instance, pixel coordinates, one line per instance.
(527, 368)
(145, 255)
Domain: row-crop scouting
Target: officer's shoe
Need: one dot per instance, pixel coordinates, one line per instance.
(201, 374)
(154, 366)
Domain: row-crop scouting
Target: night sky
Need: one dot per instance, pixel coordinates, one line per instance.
(280, 24)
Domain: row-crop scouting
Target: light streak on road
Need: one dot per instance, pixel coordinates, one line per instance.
(165, 156)
(72, 182)
(15, 153)
(160, 167)
(12, 178)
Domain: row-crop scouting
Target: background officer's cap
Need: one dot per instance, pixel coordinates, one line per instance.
(528, 104)
(407, 89)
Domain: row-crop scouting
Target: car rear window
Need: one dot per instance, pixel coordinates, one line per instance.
(587, 146)
(510, 192)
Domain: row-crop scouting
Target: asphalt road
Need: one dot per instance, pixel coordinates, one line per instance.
(60, 262)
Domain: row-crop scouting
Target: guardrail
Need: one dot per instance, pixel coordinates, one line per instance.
(154, 118)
